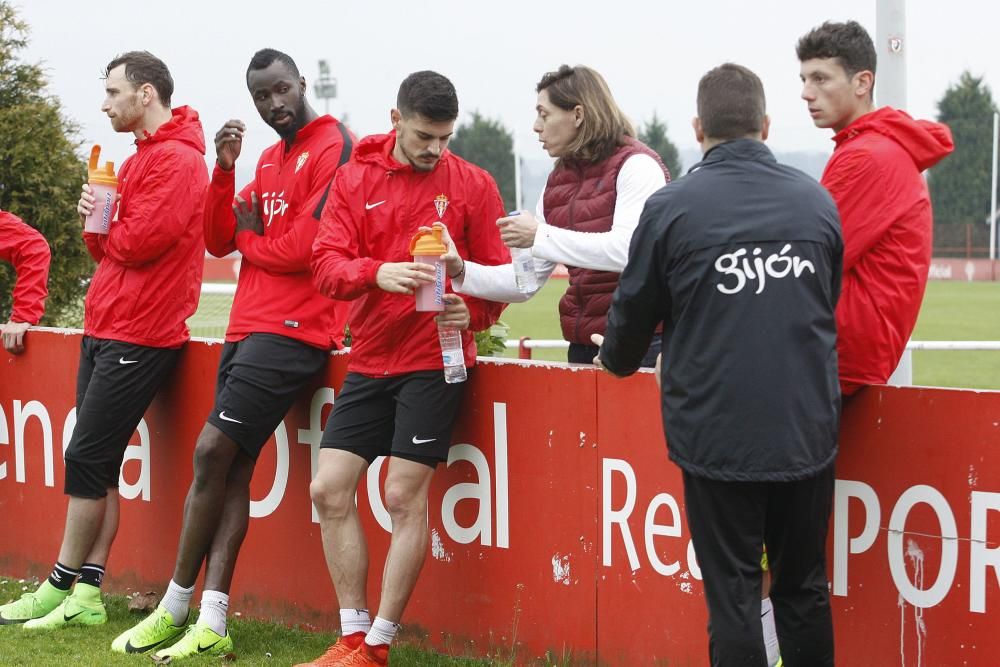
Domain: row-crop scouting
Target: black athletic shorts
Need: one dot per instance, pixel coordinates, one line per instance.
(259, 379)
(114, 386)
(409, 416)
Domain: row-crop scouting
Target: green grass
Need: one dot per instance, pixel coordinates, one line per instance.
(538, 318)
(212, 316)
(257, 642)
(951, 310)
(954, 310)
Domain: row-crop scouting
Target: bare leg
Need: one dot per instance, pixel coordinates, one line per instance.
(344, 544)
(213, 458)
(232, 526)
(109, 528)
(84, 521)
(406, 500)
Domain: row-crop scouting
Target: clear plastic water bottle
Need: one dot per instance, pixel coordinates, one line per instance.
(524, 270)
(453, 354)
(524, 267)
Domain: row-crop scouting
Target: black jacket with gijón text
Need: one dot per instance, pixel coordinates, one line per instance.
(741, 260)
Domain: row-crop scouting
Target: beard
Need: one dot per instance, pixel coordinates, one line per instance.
(129, 118)
(415, 159)
(288, 132)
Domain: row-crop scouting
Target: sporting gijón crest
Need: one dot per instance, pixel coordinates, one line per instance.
(301, 161)
(441, 205)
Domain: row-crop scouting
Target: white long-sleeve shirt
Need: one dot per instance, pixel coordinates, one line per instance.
(639, 177)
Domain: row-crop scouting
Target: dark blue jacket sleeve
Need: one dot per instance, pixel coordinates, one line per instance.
(642, 298)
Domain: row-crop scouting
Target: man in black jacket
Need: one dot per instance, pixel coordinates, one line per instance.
(741, 260)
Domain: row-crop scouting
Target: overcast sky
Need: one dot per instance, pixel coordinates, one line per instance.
(652, 53)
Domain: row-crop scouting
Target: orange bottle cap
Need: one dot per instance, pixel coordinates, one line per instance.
(104, 175)
(428, 244)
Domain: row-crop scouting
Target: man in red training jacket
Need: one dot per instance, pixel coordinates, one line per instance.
(280, 334)
(146, 285)
(395, 401)
(875, 178)
(28, 251)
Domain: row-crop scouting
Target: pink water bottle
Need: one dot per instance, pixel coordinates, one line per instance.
(427, 248)
(104, 187)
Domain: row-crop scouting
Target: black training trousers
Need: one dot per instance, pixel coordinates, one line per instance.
(730, 522)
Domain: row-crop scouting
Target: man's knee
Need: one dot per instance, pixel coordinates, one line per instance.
(213, 455)
(332, 496)
(403, 500)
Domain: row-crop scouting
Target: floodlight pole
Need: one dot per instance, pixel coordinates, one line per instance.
(890, 90)
(890, 48)
(993, 190)
(325, 86)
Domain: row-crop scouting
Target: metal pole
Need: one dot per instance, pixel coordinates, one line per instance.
(890, 47)
(993, 190)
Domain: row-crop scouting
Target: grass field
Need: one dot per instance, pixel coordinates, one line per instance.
(952, 310)
(955, 310)
(257, 643)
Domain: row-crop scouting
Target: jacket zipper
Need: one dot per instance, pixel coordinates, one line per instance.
(576, 287)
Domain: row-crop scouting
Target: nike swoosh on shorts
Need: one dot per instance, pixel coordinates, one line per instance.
(417, 441)
(124, 361)
(223, 417)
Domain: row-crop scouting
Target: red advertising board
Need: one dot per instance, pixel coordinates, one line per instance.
(557, 526)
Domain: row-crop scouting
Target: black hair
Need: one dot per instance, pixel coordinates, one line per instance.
(849, 43)
(265, 57)
(429, 94)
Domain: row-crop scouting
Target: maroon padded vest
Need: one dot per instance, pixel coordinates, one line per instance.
(581, 197)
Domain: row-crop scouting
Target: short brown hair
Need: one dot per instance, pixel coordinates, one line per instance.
(604, 127)
(731, 102)
(849, 43)
(143, 67)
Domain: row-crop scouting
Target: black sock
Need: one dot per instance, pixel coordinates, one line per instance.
(62, 577)
(92, 573)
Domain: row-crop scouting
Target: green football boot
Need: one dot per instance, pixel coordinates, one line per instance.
(81, 607)
(150, 633)
(198, 640)
(32, 605)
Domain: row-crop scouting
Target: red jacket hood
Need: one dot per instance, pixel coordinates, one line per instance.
(925, 141)
(377, 149)
(183, 126)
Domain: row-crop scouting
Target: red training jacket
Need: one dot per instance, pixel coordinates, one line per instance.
(375, 207)
(28, 251)
(275, 293)
(885, 210)
(149, 268)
